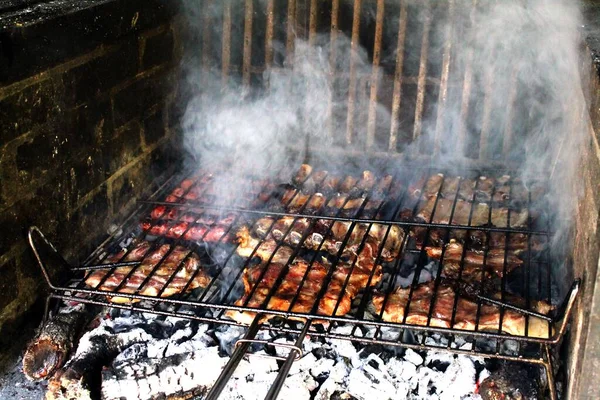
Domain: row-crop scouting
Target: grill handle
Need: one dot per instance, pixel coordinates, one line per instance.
(234, 360)
(38, 242)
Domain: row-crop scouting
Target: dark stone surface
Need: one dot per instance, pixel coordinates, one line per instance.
(86, 81)
(158, 49)
(139, 97)
(124, 147)
(154, 127)
(33, 41)
(34, 105)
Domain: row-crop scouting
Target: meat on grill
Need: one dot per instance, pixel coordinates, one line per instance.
(495, 259)
(468, 315)
(302, 285)
(190, 231)
(328, 235)
(181, 266)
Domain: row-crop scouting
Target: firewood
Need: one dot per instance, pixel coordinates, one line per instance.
(55, 340)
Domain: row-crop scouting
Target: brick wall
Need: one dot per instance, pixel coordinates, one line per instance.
(87, 115)
(584, 340)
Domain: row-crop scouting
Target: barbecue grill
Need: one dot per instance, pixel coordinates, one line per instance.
(429, 76)
(526, 348)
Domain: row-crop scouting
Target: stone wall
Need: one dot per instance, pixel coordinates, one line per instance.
(88, 110)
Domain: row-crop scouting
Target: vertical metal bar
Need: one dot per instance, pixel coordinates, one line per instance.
(352, 84)
(247, 62)
(269, 34)
(291, 29)
(235, 359)
(312, 22)
(418, 125)
(206, 40)
(487, 112)
(508, 132)
(466, 93)
(287, 365)
(226, 44)
(335, 10)
(443, 95)
(375, 74)
(396, 96)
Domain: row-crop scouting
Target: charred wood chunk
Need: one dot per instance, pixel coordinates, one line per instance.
(55, 340)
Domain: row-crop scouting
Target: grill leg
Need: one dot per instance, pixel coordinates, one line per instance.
(233, 362)
(549, 372)
(287, 365)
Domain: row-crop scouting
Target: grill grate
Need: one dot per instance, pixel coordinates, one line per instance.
(193, 216)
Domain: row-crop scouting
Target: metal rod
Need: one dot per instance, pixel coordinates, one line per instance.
(269, 33)
(508, 128)
(354, 45)
(443, 95)
(107, 265)
(487, 111)
(514, 308)
(291, 31)
(363, 220)
(371, 122)
(226, 43)
(397, 92)
(335, 11)
(234, 360)
(422, 73)
(287, 365)
(247, 60)
(312, 22)
(466, 92)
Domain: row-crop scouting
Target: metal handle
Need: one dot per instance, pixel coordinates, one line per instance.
(292, 347)
(234, 360)
(35, 230)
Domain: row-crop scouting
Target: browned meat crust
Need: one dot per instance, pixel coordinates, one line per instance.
(181, 263)
(465, 317)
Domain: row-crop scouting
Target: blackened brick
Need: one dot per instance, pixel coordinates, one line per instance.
(124, 147)
(31, 106)
(126, 188)
(8, 283)
(39, 153)
(139, 97)
(99, 75)
(12, 223)
(158, 49)
(154, 127)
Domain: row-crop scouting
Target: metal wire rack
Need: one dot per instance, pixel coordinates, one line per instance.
(494, 220)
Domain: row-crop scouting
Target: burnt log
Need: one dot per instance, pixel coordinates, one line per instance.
(511, 381)
(80, 377)
(55, 341)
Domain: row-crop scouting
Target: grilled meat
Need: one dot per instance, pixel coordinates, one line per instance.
(429, 187)
(266, 250)
(302, 286)
(495, 258)
(468, 315)
(180, 265)
(328, 235)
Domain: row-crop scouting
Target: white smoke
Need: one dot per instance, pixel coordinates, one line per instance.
(521, 58)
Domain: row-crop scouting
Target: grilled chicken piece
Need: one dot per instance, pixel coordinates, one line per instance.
(180, 265)
(495, 259)
(465, 318)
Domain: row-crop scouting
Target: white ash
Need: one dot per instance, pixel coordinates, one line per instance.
(170, 356)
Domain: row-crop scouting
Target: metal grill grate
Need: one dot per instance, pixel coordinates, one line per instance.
(427, 212)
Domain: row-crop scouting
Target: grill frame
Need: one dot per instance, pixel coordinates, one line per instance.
(529, 349)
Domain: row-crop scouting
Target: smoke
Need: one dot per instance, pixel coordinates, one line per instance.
(520, 59)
